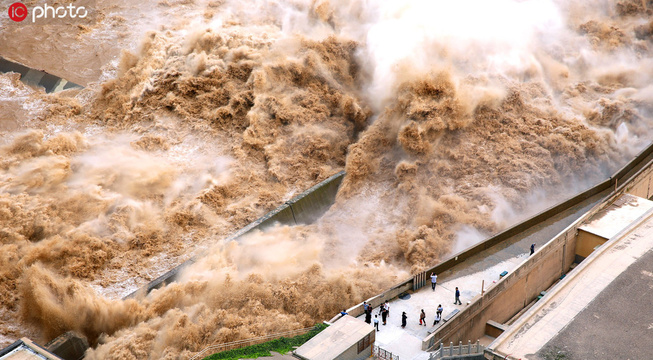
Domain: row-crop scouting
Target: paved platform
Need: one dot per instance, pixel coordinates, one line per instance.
(602, 310)
(468, 277)
(617, 324)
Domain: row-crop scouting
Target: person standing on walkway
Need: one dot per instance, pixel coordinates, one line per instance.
(437, 319)
(457, 297)
(366, 306)
(532, 249)
(368, 317)
(422, 318)
(384, 313)
(434, 280)
(376, 322)
(403, 319)
(440, 310)
(386, 305)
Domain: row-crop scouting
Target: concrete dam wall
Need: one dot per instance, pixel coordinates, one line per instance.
(628, 177)
(304, 208)
(37, 78)
(551, 262)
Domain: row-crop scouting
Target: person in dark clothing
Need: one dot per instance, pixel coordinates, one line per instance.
(384, 314)
(422, 318)
(457, 297)
(532, 249)
(403, 319)
(368, 317)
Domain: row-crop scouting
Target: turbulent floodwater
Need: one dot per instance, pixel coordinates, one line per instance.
(452, 120)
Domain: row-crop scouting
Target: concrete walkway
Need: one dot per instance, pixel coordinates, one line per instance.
(407, 342)
(567, 301)
(468, 277)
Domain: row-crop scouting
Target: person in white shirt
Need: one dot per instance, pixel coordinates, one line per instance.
(437, 318)
(434, 280)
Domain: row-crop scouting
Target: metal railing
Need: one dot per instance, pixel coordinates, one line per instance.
(379, 353)
(469, 349)
(247, 342)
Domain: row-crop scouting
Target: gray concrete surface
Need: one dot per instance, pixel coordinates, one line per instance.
(555, 314)
(512, 251)
(468, 277)
(617, 324)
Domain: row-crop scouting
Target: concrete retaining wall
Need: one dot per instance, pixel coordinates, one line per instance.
(377, 300)
(627, 172)
(302, 209)
(519, 228)
(586, 242)
(508, 296)
(36, 78)
(308, 206)
(514, 291)
(69, 346)
(620, 177)
(579, 272)
(537, 273)
(642, 184)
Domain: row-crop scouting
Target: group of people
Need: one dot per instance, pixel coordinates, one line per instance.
(438, 316)
(384, 311)
(422, 317)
